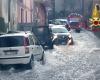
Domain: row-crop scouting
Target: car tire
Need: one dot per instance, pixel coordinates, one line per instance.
(72, 42)
(51, 45)
(30, 64)
(77, 30)
(43, 59)
(5, 67)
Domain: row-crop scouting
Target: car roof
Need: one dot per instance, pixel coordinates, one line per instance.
(61, 19)
(22, 33)
(58, 27)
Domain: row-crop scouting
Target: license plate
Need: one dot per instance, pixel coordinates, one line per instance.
(11, 53)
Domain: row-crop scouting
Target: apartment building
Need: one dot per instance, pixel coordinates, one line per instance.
(8, 12)
(24, 11)
(19, 13)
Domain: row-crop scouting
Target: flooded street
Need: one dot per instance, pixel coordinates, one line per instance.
(65, 62)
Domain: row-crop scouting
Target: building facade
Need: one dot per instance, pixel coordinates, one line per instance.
(25, 11)
(40, 13)
(16, 11)
(7, 12)
(19, 13)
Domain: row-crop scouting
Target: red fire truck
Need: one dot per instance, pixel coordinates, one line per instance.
(75, 21)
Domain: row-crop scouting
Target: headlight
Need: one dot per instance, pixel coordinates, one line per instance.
(55, 36)
(69, 36)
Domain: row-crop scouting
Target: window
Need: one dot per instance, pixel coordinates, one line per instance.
(22, 15)
(26, 16)
(11, 41)
(31, 40)
(36, 40)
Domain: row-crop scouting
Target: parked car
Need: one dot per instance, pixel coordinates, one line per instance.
(44, 35)
(61, 35)
(20, 48)
(61, 22)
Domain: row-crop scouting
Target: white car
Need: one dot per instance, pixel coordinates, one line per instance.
(61, 22)
(20, 48)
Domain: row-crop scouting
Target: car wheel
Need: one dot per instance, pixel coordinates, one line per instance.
(71, 41)
(5, 67)
(30, 64)
(77, 30)
(43, 59)
(51, 45)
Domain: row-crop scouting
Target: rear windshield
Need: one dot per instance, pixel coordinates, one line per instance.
(74, 23)
(11, 41)
(59, 30)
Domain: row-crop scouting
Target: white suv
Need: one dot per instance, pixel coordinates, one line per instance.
(20, 48)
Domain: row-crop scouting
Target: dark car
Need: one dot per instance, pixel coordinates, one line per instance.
(61, 35)
(44, 35)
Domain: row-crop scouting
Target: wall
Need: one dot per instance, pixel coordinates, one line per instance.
(4, 10)
(24, 11)
(59, 5)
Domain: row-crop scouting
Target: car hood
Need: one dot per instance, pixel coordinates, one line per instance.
(61, 33)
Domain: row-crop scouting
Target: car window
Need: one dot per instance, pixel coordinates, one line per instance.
(37, 42)
(60, 22)
(31, 40)
(59, 30)
(74, 23)
(11, 41)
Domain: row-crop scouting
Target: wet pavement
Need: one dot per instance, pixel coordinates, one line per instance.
(65, 62)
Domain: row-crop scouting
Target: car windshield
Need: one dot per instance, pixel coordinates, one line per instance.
(11, 41)
(60, 22)
(59, 30)
(74, 23)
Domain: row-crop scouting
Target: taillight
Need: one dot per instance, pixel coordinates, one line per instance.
(26, 43)
(26, 50)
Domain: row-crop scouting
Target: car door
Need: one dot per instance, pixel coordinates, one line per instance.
(38, 48)
(38, 45)
(32, 45)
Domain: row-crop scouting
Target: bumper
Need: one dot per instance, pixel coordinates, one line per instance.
(15, 60)
(60, 40)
